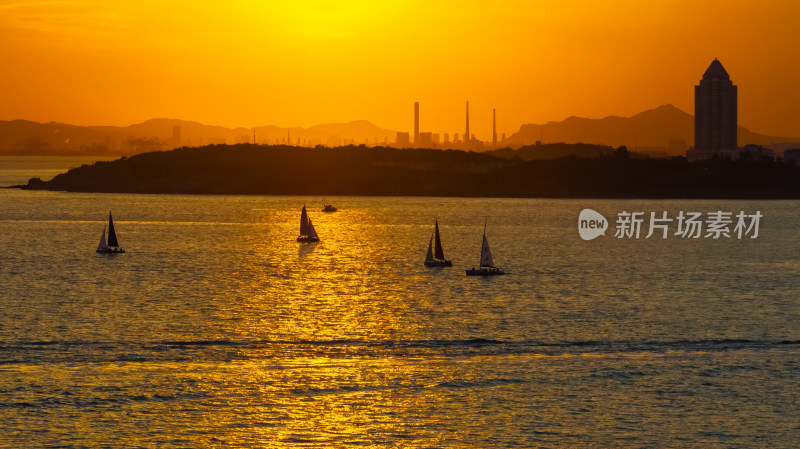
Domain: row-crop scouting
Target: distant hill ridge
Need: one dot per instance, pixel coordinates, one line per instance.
(648, 130)
(665, 130)
(28, 137)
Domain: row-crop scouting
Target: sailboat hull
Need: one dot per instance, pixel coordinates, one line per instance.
(307, 238)
(438, 263)
(110, 251)
(485, 271)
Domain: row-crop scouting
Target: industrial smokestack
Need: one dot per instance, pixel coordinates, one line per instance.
(494, 127)
(416, 123)
(466, 134)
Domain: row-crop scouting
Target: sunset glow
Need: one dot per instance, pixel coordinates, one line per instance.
(251, 63)
(399, 223)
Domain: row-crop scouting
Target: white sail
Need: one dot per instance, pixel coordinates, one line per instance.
(486, 254)
(102, 246)
(429, 256)
(311, 231)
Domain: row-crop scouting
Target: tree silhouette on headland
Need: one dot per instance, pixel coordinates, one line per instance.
(359, 170)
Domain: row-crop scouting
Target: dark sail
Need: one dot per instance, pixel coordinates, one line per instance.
(429, 256)
(304, 229)
(112, 236)
(438, 252)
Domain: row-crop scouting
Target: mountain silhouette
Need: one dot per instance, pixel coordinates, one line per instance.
(28, 137)
(663, 129)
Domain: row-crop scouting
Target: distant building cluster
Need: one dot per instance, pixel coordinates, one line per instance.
(427, 139)
(792, 155)
(716, 132)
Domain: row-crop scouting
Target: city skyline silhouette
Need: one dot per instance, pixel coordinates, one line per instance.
(247, 64)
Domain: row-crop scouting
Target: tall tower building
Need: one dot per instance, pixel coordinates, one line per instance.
(416, 123)
(715, 115)
(466, 134)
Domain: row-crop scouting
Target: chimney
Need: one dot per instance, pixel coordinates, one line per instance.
(416, 123)
(494, 128)
(466, 134)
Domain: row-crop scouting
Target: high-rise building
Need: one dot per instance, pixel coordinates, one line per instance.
(715, 120)
(416, 123)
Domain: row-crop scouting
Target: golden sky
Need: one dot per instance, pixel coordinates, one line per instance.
(300, 63)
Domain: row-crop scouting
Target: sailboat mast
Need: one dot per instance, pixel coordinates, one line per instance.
(480, 264)
(482, 239)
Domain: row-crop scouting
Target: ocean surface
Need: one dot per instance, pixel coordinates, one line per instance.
(217, 329)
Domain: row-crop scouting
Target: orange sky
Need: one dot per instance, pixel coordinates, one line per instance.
(300, 63)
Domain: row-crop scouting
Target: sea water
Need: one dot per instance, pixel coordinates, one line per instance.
(217, 329)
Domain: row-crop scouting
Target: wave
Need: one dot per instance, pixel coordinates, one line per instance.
(488, 345)
(90, 399)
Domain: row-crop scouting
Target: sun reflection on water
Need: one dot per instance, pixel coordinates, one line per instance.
(218, 329)
(343, 287)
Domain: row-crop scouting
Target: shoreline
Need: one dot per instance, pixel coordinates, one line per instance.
(328, 195)
(368, 172)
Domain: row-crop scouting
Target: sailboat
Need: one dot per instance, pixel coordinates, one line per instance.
(486, 267)
(435, 256)
(111, 246)
(307, 231)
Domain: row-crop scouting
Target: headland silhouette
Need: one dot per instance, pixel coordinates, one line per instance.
(360, 170)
